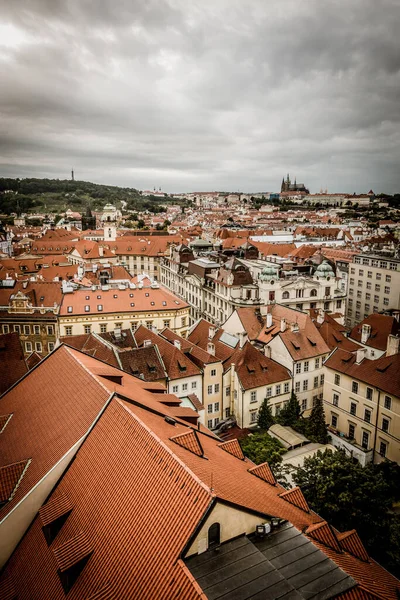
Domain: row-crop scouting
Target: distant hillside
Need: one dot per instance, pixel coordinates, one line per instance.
(57, 195)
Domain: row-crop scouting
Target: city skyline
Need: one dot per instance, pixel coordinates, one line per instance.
(197, 97)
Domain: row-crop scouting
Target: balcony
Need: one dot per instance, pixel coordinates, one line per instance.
(351, 448)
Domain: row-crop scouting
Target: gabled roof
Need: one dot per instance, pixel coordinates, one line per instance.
(199, 336)
(144, 362)
(383, 373)
(381, 327)
(254, 369)
(251, 320)
(196, 354)
(90, 344)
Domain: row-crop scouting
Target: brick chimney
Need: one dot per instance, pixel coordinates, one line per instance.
(268, 322)
(392, 345)
(320, 317)
(177, 344)
(283, 324)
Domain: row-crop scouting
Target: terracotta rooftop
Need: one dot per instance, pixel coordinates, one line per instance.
(254, 369)
(13, 365)
(381, 327)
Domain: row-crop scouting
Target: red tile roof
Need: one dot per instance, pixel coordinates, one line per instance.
(264, 471)
(13, 365)
(55, 508)
(190, 441)
(90, 344)
(381, 327)
(296, 497)
(10, 477)
(72, 551)
(382, 373)
(254, 369)
(232, 447)
(351, 542)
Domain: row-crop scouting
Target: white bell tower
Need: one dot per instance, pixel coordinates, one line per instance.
(109, 220)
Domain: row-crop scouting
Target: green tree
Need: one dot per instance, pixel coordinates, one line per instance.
(265, 418)
(350, 496)
(291, 412)
(261, 447)
(316, 425)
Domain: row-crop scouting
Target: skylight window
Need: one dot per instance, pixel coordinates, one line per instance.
(98, 297)
(87, 297)
(115, 296)
(132, 304)
(69, 309)
(100, 307)
(152, 303)
(147, 294)
(164, 303)
(87, 308)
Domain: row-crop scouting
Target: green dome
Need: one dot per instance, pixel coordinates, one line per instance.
(268, 273)
(324, 270)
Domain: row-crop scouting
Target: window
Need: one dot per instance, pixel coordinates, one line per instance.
(183, 321)
(359, 283)
(167, 323)
(216, 388)
(305, 385)
(352, 431)
(378, 276)
(277, 409)
(269, 392)
(209, 423)
(286, 388)
(313, 293)
(6, 328)
(87, 328)
(213, 372)
(87, 308)
(327, 291)
(175, 389)
(28, 346)
(352, 271)
(383, 448)
(366, 308)
(227, 413)
(337, 379)
(210, 408)
(253, 396)
(393, 266)
(387, 289)
(38, 346)
(353, 408)
(368, 296)
(103, 328)
(184, 387)
(322, 378)
(334, 421)
(278, 390)
(228, 390)
(354, 387)
(338, 304)
(69, 309)
(68, 330)
(50, 330)
(386, 301)
(149, 324)
(369, 393)
(210, 390)
(360, 272)
(17, 328)
(385, 424)
(316, 379)
(99, 307)
(253, 417)
(368, 285)
(388, 402)
(216, 406)
(367, 415)
(317, 363)
(298, 367)
(351, 291)
(306, 365)
(27, 330)
(194, 385)
(335, 399)
(297, 386)
(388, 278)
(377, 288)
(285, 295)
(369, 274)
(365, 440)
(51, 346)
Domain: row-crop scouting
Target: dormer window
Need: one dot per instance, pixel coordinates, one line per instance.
(100, 307)
(164, 303)
(87, 308)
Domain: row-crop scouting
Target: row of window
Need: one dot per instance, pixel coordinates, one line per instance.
(367, 411)
(318, 381)
(383, 446)
(28, 329)
(383, 264)
(185, 387)
(29, 347)
(378, 276)
(306, 365)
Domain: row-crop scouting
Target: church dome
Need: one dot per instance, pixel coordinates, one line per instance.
(268, 273)
(324, 270)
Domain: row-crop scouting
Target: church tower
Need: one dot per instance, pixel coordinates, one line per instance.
(109, 220)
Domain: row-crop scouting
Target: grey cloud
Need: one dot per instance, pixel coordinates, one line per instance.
(214, 94)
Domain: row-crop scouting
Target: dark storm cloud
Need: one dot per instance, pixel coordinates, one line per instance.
(218, 94)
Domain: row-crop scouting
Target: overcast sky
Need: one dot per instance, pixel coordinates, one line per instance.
(196, 95)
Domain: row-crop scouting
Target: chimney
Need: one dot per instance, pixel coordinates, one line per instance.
(242, 338)
(365, 333)
(283, 325)
(392, 345)
(211, 348)
(320, 316)
(146, 343)
(101, 251)
(211, 332)
(268, 322)
(360, 355)
(267, 351)
(294, 327)
(177, 344)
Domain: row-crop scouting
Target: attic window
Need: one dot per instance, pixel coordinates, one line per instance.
(130, 295)
(152, 303)
(311, 342)
(251, 369)
(4, 419)
(100, 307)
(181, 366)
(383, 369)
(132, 304)
(147, 294)
(87, 308)
(71, 558)
(164, 303)
(98, 297)
(177, 302)
(151, 367)
(69, 309)
(115, 296)
(87, 297)
(295, 346)
(41, 298)
(53, 516)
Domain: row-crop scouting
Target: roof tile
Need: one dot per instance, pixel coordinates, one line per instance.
(264, 471)
(232, 447)
(296, 497)
(72, 551)
(190, 441)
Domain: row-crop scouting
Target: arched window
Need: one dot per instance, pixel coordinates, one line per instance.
(285, 295)
(313, 293)
(214, 535)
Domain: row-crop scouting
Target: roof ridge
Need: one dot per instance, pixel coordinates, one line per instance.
(167, 448)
